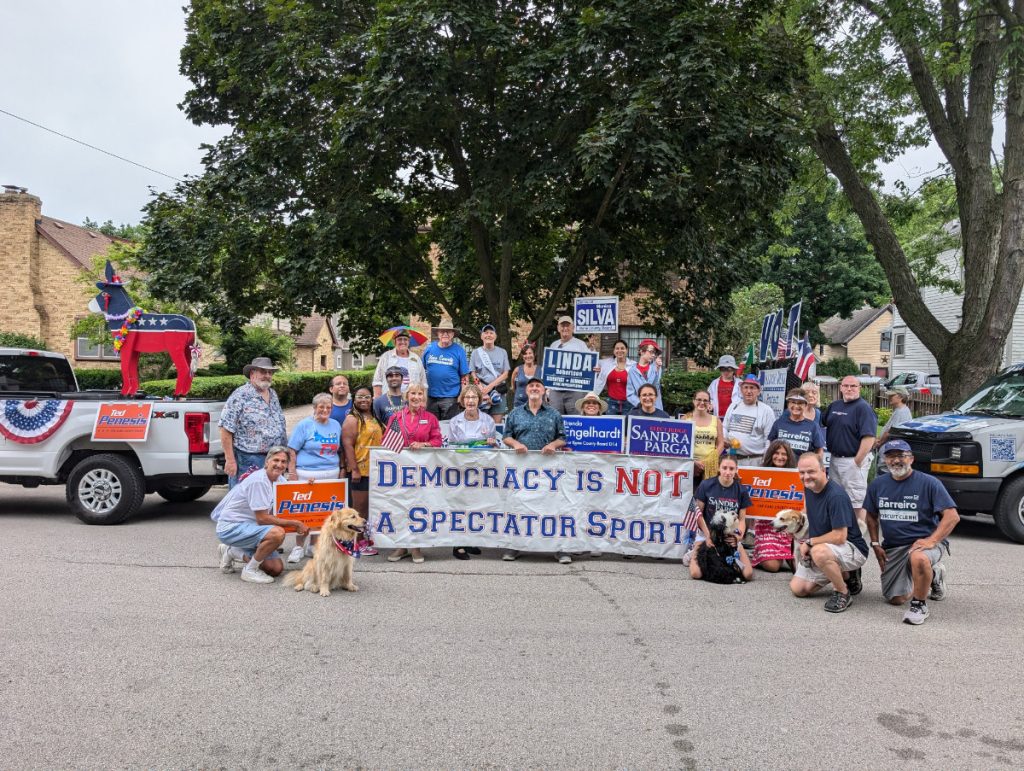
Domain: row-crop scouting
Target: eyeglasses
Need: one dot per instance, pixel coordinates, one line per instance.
(849, 385)
(702, 401)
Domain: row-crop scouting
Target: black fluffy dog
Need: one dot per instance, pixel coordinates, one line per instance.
(719, 561)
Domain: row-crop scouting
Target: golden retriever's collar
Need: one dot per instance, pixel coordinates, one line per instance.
(353, 548)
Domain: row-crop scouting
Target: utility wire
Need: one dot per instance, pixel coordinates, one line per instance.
(91, 147)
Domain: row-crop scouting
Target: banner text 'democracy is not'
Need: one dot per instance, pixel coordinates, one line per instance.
(532, 502)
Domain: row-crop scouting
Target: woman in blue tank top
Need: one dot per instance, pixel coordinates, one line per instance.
(524, 372)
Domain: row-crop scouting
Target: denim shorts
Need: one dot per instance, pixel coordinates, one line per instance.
(245, 535)
(246, 461)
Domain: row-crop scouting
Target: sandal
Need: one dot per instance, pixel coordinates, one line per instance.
(417, 556)
(398, 554)
(460, 553)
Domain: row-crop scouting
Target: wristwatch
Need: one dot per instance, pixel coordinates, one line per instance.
(876, 543)
(810, 542)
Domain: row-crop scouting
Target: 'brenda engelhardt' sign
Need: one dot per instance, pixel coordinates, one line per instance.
(660, 436)
(774, 389)
(597, 315)
(569, 370)
(772, 490)
(529, 501)
(594, 434)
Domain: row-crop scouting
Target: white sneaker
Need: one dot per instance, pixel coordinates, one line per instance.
(296, 555)
(256, 576)
(226, 559)
(916, 613)
(687, 557)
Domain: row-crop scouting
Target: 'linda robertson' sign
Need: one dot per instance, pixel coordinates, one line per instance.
(569, 370)
(663, 437)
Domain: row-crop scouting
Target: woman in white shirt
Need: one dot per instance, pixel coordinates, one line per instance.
(470, 426)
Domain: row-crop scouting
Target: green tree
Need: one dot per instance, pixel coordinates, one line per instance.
(547, 149)
(750, 304)
(18, 340)
(823, 259)
(257, 340)
(885, 75)
(124, 230)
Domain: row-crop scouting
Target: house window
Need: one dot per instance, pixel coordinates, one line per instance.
(865, 369)
(358, 360)
(899, 345)
(339, 361)
(86, 349)
(323, 362)
(885, 344)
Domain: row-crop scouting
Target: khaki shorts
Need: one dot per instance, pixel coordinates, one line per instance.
(852, 478)
(849, 558)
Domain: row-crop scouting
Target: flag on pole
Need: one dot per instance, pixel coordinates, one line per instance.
(804, 368)
(747, 363)
(393, 440)
(693, 513)
(776, 331)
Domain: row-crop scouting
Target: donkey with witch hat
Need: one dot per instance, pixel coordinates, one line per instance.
(136, 332)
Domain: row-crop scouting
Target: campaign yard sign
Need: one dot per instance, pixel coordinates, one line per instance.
(774, 389)
(662, 437)
(569, 370)
(310, 502)
(596, 315)
(585, 433)
(122, 422)
(771, 490)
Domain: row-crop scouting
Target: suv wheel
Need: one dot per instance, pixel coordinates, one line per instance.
(1009, 510)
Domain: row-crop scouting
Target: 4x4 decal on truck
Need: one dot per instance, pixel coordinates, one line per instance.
(34, 420)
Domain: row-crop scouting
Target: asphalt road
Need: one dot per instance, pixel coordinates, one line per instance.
(126, 647)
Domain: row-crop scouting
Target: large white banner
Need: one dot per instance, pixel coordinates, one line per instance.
(572, 502)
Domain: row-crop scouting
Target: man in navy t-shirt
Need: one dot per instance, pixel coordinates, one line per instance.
(795, 428)
(834, 550)
(916, 514)
(852, 427)
(447, 369)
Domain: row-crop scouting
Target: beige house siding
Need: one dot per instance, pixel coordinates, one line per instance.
(864, 347)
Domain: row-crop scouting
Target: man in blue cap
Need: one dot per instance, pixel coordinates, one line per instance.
(916, 514)
(747, 423)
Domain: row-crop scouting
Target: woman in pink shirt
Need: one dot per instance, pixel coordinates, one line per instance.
(419, 429)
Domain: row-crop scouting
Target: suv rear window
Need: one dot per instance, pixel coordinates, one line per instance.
(35, 373)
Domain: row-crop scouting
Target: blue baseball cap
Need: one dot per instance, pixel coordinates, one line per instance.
(753, 380)
(895, 445)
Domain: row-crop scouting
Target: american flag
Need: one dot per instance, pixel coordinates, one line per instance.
(394, 440)
(692, 516)
(805, 359)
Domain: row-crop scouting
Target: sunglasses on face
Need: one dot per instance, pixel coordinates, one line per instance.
(701, 401)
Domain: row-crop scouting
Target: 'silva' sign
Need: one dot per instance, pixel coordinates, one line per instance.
(596, 315)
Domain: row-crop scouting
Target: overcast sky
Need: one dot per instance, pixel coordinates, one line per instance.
(106, 73)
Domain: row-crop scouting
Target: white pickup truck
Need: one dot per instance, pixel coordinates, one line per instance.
(46, 438)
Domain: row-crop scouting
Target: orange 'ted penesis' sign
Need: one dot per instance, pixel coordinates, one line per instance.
(310, 502)
(122, 422)
(771, 490)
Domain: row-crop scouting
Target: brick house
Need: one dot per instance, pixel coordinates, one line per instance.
(41, 259)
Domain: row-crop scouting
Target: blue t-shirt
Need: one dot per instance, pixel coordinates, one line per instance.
(907, 509)
(316, 444)
(831, 509)
(803, 436)
(445, 368)
(716, 498)
(847, 423)
(384, 406)
(340, 412)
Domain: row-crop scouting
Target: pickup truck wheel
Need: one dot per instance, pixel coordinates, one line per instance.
(105, 490)
(181, 493)
(1009, 510)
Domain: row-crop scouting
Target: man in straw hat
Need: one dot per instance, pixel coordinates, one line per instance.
(252, 421)
(447, 368)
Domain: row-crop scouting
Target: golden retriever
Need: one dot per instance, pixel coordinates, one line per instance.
(331, 566)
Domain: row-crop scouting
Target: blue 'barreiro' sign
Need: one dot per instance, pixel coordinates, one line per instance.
(663, 437)
(594, 434)
(569, 370)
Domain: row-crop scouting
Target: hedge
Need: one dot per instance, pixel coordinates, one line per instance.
(293, 388)
(678, 387)
(98, 379)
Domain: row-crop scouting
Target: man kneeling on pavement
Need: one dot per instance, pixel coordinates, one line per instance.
(916, 514)
(834, 551)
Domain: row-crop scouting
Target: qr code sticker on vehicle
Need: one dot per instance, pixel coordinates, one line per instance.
(1003, 448)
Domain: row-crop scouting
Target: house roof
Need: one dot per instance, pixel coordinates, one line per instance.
(76, 243)
(311, 332)
(841, 331)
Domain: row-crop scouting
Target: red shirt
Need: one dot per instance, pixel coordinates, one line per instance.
(725, 395)
(617, 384)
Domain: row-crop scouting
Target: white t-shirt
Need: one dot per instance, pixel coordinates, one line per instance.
(750, 424)
(252, 494)
(411, 364)
(462, 430)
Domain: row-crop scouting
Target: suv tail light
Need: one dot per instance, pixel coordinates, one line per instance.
(196, 425)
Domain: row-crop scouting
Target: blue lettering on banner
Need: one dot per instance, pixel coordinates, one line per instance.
(569, 370)
(660, 437)
(594, 434)
(384, 524)
(597, 315)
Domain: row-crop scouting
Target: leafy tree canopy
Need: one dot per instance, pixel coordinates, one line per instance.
(487, 161)
(750, 305)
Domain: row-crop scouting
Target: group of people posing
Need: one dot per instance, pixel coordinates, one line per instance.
(732, 429)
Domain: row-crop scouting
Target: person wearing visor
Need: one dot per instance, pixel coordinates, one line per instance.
(724, 389)
(910, 515)
(490, 367)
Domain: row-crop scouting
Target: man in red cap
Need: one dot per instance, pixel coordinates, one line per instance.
(647, 371)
